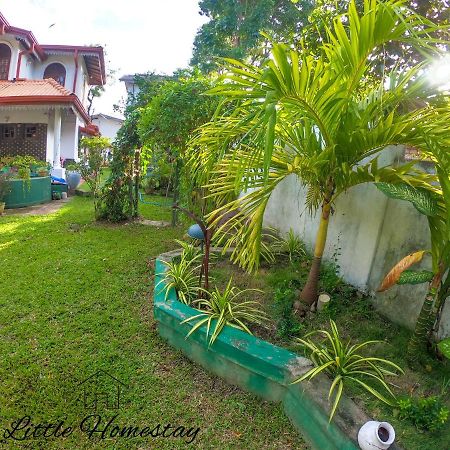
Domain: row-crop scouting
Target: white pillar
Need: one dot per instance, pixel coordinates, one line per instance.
(57, 170)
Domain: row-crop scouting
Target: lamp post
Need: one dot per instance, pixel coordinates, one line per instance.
(202, 232)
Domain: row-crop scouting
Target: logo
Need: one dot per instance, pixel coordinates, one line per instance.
(102, 391)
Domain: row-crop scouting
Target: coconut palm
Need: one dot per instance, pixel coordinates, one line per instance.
(323, 118)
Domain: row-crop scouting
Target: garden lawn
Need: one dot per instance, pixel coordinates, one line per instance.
(103, 178)
(76, 298)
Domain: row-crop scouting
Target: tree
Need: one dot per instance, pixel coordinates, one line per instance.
(394, 54)
(323, 118)
(235, 26)
(171, 116)
(91, 163)
(120, 193)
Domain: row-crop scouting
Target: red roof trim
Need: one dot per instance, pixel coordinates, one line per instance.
(97, 72)
(7, 28)
(90, 129)
(45, 100)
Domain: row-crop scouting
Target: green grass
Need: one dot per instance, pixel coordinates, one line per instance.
(356, 320)
(104, 176)
(76, 297)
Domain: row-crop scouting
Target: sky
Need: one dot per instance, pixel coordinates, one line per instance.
(137, 35)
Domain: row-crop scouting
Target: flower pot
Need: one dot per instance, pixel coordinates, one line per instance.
(73, 179)
(376, 435)
(2, 207)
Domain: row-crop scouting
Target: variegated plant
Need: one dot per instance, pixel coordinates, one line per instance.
(344, 363)
(223, 308)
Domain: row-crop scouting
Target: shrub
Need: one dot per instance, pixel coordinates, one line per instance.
(427, 413)
(287, 323)
(290, 245)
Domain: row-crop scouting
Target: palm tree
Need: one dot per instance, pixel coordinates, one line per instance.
(323, 118)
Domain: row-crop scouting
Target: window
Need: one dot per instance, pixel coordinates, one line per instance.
(5, 59)
(9, 131)
(30, 131)
(57, 72)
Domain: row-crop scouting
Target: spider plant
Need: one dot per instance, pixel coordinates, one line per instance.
(190, 251)
(343, 363)
(182, 275)
(222, 308)
(290, 245)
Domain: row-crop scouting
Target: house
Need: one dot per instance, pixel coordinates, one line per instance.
(43, 96)
(133, 83)
(107, 125)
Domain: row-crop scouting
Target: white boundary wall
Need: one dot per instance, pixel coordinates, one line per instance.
(369, 233)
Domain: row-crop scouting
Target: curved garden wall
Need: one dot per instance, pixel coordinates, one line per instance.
(262, 368)
(27, 193)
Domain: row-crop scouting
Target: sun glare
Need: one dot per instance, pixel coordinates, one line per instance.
(439, 73)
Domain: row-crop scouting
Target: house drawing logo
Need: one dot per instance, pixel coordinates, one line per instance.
(101, 390)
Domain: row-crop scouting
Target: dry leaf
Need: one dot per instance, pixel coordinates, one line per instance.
(393, 276)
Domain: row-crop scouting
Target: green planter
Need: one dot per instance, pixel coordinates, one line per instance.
(262, 368)
(27, 193)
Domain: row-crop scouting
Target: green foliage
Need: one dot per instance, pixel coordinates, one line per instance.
(427, 413)
(91, 164)
(287, 324)
(423, 200)
(178, 108)
(22, 166)
(120, 194)
(343, 363)
(5, 186)
(321, 116)
(415, 277)
(234, 28)
(182, 275)
(222, 308)
(190, 252)
(159, 171)
(444, 347)
(290, 245)
(168, 120)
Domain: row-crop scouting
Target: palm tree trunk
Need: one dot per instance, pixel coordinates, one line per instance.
(425, 321)
(310, 290)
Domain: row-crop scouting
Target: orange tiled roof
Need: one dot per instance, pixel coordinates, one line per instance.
(39, 92)
(25, 88)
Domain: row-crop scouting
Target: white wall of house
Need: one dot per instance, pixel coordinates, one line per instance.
(69, 136)
(368, 234)
(108, 126)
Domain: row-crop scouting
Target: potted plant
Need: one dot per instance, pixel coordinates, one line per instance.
(43, 170)
(4, 189)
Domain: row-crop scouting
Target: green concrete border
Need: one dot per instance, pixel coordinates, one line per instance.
(262, 368)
